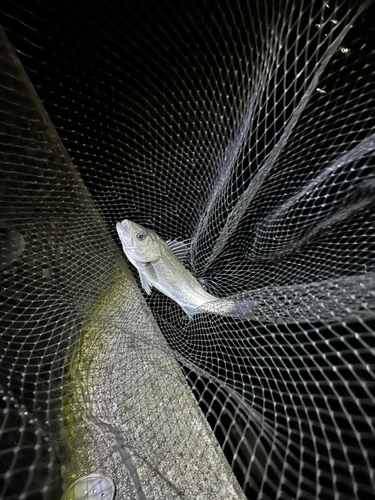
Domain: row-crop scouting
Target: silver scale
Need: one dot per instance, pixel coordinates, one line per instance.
(91, 487)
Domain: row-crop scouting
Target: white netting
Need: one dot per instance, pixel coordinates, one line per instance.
(249, 129)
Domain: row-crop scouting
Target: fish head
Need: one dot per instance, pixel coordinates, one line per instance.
(139, 244)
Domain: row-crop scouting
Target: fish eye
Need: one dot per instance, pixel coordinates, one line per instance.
(141, 236)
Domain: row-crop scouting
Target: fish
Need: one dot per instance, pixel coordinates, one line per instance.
(159, 264)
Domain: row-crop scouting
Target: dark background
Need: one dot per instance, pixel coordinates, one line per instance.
(101, 72)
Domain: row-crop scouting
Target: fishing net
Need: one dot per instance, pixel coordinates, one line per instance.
(245, 129)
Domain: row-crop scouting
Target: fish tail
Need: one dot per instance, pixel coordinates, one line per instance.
(235, 308)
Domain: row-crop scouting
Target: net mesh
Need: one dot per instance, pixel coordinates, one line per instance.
(246, 128)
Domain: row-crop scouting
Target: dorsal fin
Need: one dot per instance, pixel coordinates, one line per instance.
(180, 249)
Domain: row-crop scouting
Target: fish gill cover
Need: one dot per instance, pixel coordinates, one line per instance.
(246, 129)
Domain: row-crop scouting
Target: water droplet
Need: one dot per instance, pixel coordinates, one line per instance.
(334, 21)
(344, 50)
(321, 91)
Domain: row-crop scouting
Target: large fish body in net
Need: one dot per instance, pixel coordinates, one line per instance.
(246, 129)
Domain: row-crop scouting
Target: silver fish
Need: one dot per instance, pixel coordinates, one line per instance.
(159, 265)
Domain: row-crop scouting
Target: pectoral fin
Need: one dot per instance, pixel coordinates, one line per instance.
(145, 284)
(146, 276)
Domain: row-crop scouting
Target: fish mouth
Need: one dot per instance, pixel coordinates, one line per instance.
(124, 231)
(125, 224)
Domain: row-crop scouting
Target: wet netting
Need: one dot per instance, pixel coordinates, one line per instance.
(245, 128)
